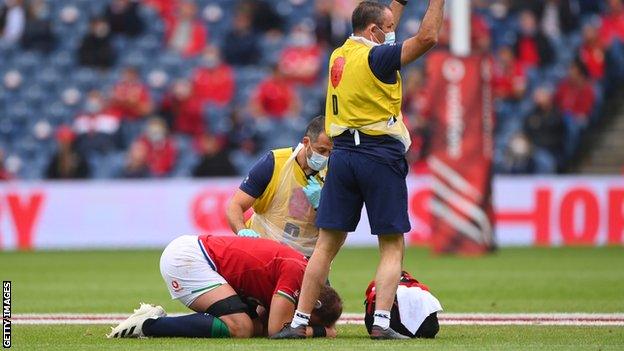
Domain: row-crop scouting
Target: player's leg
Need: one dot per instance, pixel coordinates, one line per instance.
(391, 248)
(220, 313)
(191, 279)
(338, 213)
(385, 196)
(328, 244)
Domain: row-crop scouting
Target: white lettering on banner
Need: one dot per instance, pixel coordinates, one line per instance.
(454, 71)
(540, 211)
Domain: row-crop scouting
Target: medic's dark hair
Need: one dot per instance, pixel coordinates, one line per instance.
(365, 13)
(315, 128)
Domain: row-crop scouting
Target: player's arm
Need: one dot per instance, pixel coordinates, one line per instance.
(282, 311)
(427, 36)
(397, 11)
(235, 213)
(250, 189)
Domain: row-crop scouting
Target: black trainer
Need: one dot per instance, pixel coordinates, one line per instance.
(378, 333)
(289, 332)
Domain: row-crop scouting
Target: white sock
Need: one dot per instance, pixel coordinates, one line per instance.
(382, 319)
(300, 319)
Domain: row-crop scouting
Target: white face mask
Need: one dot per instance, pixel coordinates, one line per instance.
(317, 161)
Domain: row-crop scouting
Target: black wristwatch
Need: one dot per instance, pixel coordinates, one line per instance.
(402, 2)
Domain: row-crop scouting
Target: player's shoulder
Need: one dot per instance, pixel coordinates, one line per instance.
(282, 152)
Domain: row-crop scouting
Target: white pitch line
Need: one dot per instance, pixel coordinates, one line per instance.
(576, 319)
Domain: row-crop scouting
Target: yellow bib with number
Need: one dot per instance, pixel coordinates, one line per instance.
(357, 100)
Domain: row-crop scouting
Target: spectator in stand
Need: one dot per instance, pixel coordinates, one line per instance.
(509, 77)
(243, 135)
(165, 8)
(332, 29)
(533, 48)
(213, 80)
(575, 98)
(556, 17)
(612, 28)
(545, 128)
(12, 21)
(123, 17)
(265, 19)
(414, 99)
(275, 97)
(38, 31)
(215, 159)
(186, 33)
(4, 174)
(415, 111)
(130, 97)
(300, 61)
(182, 109)
(67, 162)
(575, 95)
(162, 152)
(519, 157)
(592, 52)
(97, 127)
(136, 162)
(96, 49)
(240, 47)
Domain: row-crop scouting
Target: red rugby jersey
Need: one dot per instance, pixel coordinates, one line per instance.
(256, 268)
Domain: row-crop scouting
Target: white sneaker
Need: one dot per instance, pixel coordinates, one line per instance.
(132, 327)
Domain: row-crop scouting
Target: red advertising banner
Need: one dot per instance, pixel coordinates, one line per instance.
(460, 105)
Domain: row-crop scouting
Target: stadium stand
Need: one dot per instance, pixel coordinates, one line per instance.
(557, 63)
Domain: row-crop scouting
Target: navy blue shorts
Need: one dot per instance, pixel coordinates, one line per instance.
(354, 179)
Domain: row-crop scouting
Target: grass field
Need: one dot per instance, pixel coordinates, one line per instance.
(512, 280)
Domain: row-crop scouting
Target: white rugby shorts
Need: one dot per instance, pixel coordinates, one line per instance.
(187, 269)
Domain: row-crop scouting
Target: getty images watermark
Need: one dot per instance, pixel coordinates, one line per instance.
(6, 314)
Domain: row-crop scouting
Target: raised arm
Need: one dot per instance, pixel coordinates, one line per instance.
(397, 11)
(427, 36)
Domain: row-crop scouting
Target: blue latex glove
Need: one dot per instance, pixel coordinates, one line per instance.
(313, 192)
(248, 233)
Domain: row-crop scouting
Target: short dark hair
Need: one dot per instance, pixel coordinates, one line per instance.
(330, 307)
(315, 128)
(365, 13)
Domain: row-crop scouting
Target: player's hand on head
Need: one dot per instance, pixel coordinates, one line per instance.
(248, 233)
(313, 192)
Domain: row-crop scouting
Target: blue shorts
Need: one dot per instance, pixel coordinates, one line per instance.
(354, 179)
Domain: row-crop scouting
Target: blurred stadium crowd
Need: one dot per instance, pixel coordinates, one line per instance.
(173, 88)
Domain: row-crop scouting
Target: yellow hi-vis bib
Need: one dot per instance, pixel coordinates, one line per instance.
(287, 217)
(357, 100)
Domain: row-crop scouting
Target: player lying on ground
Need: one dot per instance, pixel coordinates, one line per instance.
(239, 287)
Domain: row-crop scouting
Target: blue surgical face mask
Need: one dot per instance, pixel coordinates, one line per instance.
(390, 38)
(317, 161)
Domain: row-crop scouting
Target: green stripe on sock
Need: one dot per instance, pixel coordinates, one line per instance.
(206, 288)
(219, 329)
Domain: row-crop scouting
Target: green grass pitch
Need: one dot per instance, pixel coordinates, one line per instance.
(512, 280)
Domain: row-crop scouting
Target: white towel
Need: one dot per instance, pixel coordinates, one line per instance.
(415, 304)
